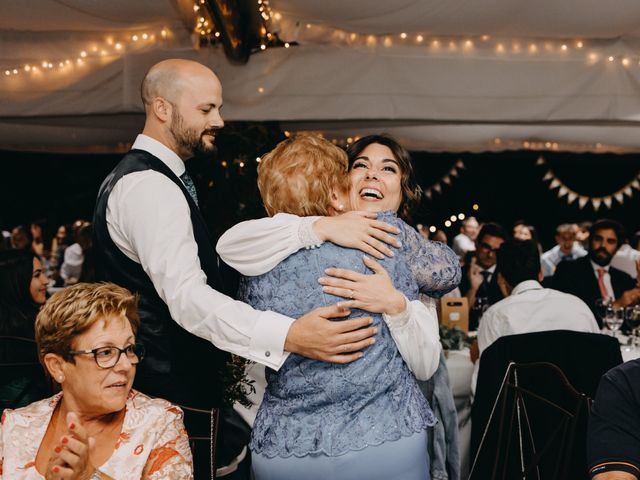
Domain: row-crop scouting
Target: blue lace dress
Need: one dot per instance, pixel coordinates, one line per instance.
(313, 408)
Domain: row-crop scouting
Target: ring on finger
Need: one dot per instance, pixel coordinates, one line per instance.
(351, 294)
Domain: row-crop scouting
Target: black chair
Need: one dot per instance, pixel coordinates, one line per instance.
(536, 428)
(582, 357)
(22, 378)
(219, 443)
(202, 428)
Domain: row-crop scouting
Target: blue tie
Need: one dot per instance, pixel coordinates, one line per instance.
(191, 188)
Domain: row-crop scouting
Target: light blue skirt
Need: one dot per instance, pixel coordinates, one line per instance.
(405, 459)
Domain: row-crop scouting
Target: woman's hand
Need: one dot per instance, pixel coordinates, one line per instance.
(70, 458)
(359, 230)
(373, 293)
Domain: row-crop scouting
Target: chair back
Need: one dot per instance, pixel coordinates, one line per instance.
(22, 378)
(582, 357)
(202, 428)
(535, 424)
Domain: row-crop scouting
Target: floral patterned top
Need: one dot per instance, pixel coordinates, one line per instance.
(153, 443)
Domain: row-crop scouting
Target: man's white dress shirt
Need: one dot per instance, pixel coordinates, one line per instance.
(532, 308)
(607, 278)
(71, 267)
(256, 246)
(551, 258)
(462, 244)
(148, 219)
(625, 259)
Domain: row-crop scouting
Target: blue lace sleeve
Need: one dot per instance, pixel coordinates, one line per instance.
(435, 266)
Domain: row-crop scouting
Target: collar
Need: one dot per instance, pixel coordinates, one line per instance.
(491, 269)
(526, 286)
(595, 267)
(161, 151)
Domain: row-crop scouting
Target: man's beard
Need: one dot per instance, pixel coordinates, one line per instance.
(188, 140)
(602, 260)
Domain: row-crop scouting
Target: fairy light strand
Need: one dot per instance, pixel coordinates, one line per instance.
(111, 47)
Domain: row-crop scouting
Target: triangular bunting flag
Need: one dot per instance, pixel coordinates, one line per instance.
(619, 197)
(596, 203)
(437, 187)
(540, 160)
(582, 201)
(548, 176)
(572, 197)
(635, 184)
(554, 183)
(607, 201)
(460, 164)
(562, 191)
(428, 194)
(628, 191)
(454, 172)
(446, 179)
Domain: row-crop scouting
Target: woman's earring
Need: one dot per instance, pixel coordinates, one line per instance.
(340, 207)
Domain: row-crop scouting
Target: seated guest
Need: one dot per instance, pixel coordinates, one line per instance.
(465, 241)
(97, 427)
(592, 277)
(524, 231)
(567, 249)
(23, 289)
(72, 266)
(479, 282)
(527, 307)
(21, 238)
(613, 436)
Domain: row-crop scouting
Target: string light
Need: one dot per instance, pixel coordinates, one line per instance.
(456, 45)
(110, 46)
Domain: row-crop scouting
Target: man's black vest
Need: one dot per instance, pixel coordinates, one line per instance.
(178, 366)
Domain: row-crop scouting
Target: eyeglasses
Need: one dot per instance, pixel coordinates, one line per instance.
(488, 248)
(108, 357)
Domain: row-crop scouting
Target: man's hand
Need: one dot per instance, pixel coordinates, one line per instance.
(315, 336)
(359, 230)
(630, 297)
(475, 277)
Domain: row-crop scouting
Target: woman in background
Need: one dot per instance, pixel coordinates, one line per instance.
(23, 289)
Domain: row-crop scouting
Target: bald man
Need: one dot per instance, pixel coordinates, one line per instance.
(150, 237)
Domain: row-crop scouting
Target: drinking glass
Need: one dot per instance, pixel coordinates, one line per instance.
(632, 316)
(602, 305)
(614, 318)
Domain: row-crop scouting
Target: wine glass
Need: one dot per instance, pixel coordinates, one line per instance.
(602, 305)
(614, 318)
(632, 316)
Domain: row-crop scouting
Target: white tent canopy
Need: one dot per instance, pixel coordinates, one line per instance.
(439, 74)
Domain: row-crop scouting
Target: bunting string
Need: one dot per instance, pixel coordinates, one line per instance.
(447, 179)
(571, 195)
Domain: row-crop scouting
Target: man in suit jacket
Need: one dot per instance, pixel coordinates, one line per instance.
(479, 281)
(592, 277)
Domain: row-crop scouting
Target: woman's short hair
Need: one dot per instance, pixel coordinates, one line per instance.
(411, 191)
(16, 304)
(73, 310)
(300, 174)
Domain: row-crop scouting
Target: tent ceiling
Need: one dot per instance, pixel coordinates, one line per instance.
(540, 18)
(480, 75)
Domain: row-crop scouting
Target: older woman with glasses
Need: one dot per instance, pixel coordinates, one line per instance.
(97, 427)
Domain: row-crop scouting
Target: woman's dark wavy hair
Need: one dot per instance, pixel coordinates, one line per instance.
(17, 309)
(411, 191)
